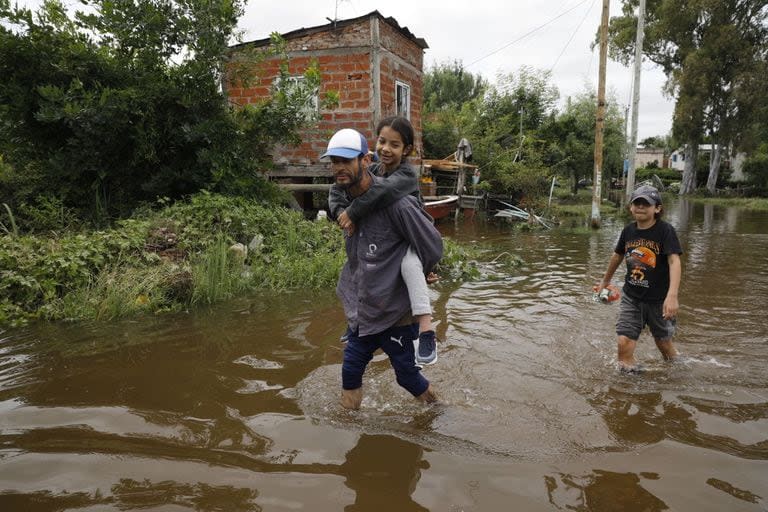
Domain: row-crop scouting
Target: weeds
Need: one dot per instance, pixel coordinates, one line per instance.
(14, 231)
(175, 258)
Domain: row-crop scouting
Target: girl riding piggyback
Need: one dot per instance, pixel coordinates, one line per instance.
(394, 142)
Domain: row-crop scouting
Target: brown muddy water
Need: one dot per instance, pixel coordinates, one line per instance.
(235, 408)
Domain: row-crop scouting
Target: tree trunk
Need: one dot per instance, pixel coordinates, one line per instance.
(574, 182)
(689, 171)
(714, 169)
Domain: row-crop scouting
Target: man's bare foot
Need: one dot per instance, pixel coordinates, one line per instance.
(429, 396)
(351, 398)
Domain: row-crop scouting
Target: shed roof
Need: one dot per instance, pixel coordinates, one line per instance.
(420, 42)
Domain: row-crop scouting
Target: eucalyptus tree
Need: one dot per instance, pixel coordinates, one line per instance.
(713, 52)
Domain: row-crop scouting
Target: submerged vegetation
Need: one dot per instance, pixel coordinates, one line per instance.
(747, 203)
(168, 259)
(194, 252)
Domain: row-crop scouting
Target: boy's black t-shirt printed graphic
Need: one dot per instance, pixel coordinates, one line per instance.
(645, 252)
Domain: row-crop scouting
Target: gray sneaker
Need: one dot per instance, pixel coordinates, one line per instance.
(426, 348)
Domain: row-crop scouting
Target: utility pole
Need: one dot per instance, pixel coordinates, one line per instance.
(600, 121)
(636, 98)
(625, 150)
(520, 147)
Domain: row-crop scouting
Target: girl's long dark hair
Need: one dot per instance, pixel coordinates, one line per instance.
(401, 125)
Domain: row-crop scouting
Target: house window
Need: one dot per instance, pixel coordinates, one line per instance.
(674, 158)
(296, 87)
(403, 99)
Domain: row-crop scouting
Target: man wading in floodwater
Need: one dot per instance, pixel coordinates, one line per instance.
(371, 287)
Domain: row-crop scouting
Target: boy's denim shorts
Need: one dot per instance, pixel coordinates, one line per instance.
(397, 343)
(635, 314)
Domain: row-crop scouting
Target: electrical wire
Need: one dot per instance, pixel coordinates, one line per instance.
(572, 35)
(532, 31)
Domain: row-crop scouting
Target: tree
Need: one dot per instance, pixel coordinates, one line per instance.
(449, 86)
(447, 89)
(656, 141)
(121, 104)
(710, 51)
(571, 139)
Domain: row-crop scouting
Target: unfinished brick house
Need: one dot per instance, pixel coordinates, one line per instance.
(374, 65)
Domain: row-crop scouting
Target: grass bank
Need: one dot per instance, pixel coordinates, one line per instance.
(747, 203)
(575, 211)
(200, 251)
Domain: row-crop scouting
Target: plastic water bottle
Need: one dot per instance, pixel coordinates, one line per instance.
(603, 295)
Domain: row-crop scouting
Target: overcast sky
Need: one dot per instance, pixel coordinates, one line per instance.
(492, 37)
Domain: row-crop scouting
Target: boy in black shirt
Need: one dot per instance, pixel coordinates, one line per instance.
(652, 252)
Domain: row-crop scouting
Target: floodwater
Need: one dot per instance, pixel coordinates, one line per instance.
(234, 408)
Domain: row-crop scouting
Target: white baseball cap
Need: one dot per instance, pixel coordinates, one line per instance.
(347, 143)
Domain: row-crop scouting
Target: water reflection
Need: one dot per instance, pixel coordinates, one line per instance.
(602, 490)
(730, 489)
(235, 407)
(383, 471)
(130, 494)
(647, 417)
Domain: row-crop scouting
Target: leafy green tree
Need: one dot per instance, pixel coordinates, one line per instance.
(756, 168)
(510, 112)
(449, 86)
(514, 140)
(121, 103)
(448, 89)
(711, 52)
(571, 139)
(657, 141)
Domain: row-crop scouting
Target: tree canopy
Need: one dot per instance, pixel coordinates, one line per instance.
(120, 103)
(519, 138)
(714, 55)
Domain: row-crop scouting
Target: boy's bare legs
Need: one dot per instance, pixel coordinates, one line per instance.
(626, 352)
(667, 349)
(352, 398)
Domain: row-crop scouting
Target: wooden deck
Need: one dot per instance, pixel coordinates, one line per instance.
(281, 175)
(448, 165)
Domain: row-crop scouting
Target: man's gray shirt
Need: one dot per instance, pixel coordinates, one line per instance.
(370, 286)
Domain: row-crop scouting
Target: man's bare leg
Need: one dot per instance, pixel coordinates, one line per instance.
(667, 349)
(429, 396)
(351, 398)
(626, 348)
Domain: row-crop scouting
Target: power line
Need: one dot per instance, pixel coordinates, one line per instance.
(572, 36)
(526, 34)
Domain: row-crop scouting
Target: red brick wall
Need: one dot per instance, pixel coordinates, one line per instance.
(401, 61)
(344, 57)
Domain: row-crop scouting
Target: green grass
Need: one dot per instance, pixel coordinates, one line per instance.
(748, 203)
(218, 274)
(178, 257)
(575, 213)
(118, 293)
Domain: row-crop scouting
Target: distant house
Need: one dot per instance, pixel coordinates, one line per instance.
(677, 160)
(375, 66)
(646, 156)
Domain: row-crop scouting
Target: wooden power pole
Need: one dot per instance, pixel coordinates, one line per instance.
(636, 98)
(597, 181)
